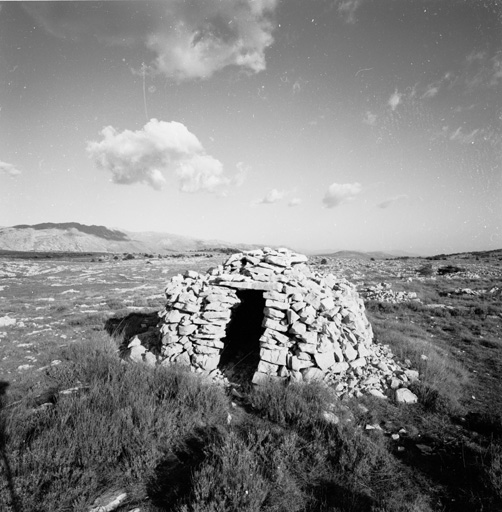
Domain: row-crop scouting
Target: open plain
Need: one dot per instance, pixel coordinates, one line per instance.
(275, 449)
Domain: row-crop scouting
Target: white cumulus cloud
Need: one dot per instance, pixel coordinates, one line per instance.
(160, 147)
(190, 39)
(340, 193)
(273, 196)
(11, 170)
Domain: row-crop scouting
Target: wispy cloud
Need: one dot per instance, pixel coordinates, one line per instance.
(347, 9)
(9, 169)
(464, 138)
(160, 147)
(392, 200)
(395, 100)
(189, 39)
(273, 196)
(340, 193)
(482, 71)
(430, 91)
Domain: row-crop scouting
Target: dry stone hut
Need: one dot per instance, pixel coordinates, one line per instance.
(265, 312)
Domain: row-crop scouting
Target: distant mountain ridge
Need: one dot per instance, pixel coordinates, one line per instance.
(76, 237)
(99, 231)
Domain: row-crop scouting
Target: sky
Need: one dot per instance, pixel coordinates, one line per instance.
(371, 125)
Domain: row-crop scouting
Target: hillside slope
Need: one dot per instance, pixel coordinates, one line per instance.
(75, 237)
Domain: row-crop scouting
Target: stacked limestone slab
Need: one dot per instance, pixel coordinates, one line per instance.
(315, 325)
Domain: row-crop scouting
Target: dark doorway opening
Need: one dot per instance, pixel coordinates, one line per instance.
(241, 353)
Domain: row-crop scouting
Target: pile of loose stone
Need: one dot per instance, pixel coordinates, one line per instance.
(382, 292)
(315, 327)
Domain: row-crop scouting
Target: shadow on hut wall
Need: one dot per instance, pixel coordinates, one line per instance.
(241, 353)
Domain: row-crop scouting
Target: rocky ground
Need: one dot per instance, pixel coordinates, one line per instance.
(445, 314)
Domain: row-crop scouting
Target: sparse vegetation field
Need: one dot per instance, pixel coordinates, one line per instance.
(78, 425)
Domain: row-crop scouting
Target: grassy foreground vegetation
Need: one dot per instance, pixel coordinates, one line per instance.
(174, 441)
(164, 435)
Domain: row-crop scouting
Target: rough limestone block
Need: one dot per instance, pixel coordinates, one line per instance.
(150, 359)
(292, 363)
(183, 359)
(313, 300)
(206, 362)
(295, 376)
(274, 324)
(173, 316)
(298, 329)
(312, 374)
(278, 260)
(186, 307)
(276, 304)
(363, 351)
(187, 297)
(259, 276)
(308, 348)
(394, 383)
(279, 297)
(269, 344)
(216, 306)
(203, 349)
(273, 356)
(298, 306)
(283, 372)
(338, 352)
(170, 338)
(358, 363)
(325, 360)
(405, 396)
(282, 339)
(268, 368)
(307, 312)
(263, 286)
(309, 337)
(412, 375)
(185, 330)
(324, 345)
(172, 350)
(136, 353)
(215, 329)
(292, 316)
(327, 304)
(273, 313)
(260, 378)
(222, 298)
(251, 259)
(349, 352)
(298, 258)
(216, 315)
(339, 367)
